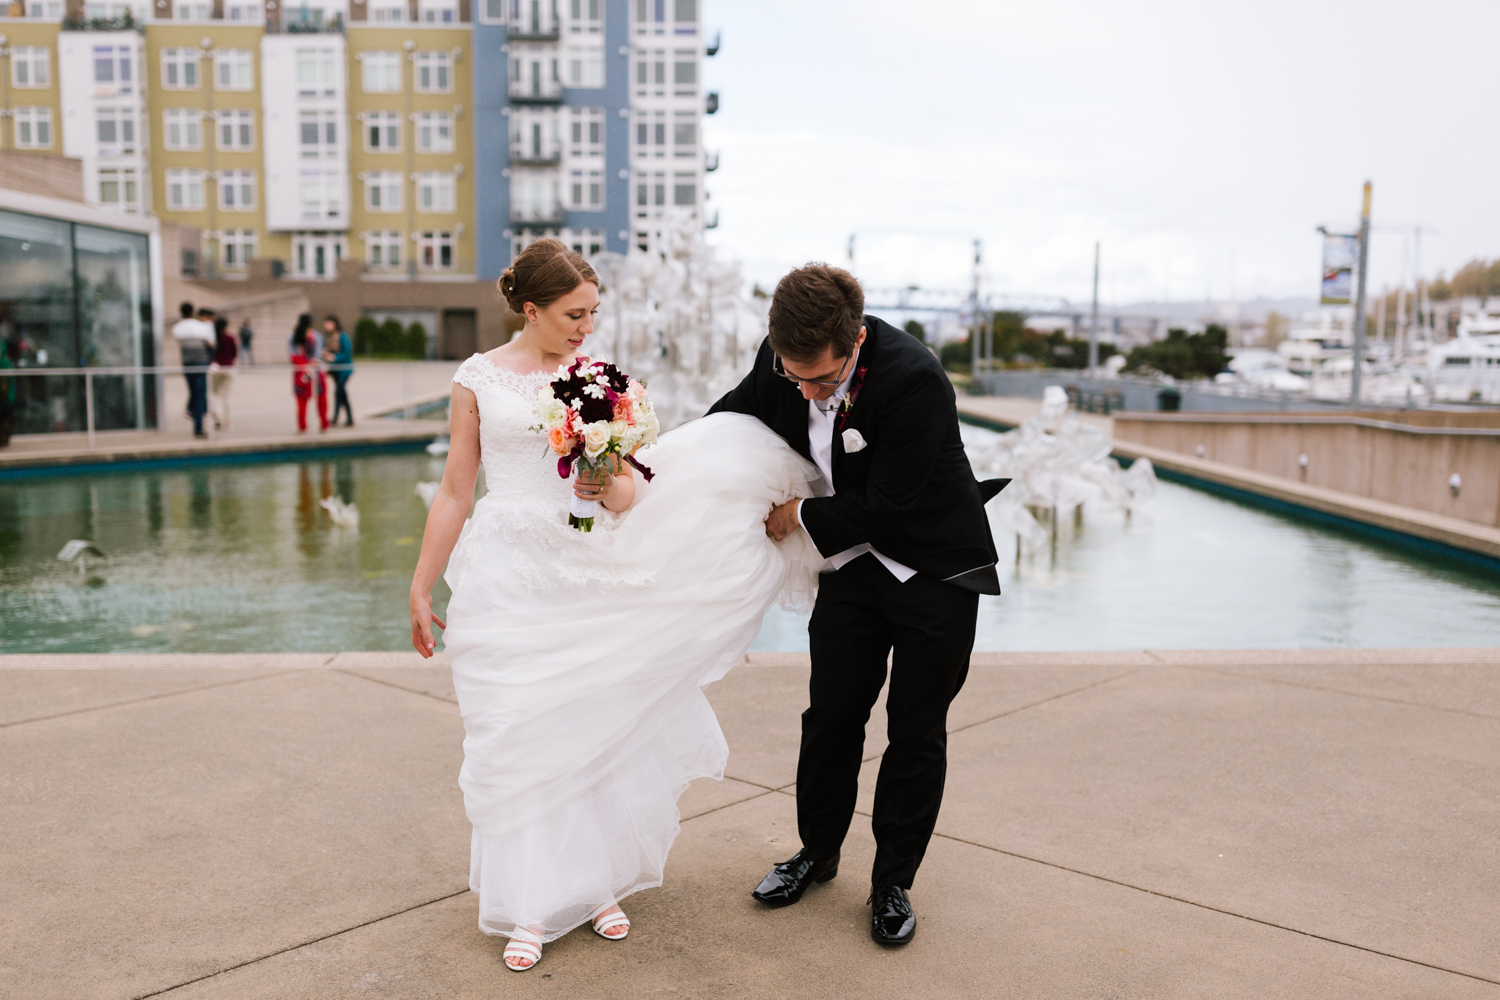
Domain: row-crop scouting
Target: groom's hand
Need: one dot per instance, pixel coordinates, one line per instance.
(782, 520)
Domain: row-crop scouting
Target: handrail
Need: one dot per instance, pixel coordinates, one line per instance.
(408, 405)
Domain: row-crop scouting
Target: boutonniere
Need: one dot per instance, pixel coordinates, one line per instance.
(846, 405)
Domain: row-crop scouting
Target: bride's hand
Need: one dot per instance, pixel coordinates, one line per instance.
(422, 620)
(594, 484)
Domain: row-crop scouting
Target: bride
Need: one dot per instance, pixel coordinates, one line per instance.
(579, 659)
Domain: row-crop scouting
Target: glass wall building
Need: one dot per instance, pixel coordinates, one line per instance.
(74, 294)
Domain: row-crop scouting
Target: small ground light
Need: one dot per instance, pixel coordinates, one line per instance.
(1200, 451)
(1455, 483)
(1302, 460)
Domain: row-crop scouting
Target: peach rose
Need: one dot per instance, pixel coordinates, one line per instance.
(560, 440)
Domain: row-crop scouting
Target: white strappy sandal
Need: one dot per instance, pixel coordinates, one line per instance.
(603, 923)
(522, 947)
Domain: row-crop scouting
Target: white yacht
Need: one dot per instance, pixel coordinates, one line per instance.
(1467, 368)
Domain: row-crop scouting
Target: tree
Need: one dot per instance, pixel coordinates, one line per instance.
(1184, 355)
(956, 356)
(1277, 325)
(916, 330)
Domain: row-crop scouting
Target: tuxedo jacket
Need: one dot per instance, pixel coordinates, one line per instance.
(910, 492)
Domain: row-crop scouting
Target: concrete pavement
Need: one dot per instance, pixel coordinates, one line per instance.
(1151, 823)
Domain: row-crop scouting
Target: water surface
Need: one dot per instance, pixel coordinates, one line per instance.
(241, 558)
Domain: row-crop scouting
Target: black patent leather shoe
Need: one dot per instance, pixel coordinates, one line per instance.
(790, 879)
(891, 918)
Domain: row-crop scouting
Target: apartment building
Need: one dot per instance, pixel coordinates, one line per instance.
(588, 118)
(31, 118)
(395, 147)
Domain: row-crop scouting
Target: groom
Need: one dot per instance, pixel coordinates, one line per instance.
(902, 524)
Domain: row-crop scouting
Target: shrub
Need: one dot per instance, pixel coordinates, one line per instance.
(416, 341)
(956, 356)
(366, 332)
(388, 342)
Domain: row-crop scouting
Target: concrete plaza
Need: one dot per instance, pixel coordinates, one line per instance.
(1134, 824)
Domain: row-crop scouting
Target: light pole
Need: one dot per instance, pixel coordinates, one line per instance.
(1359, 301)
(1094, 320)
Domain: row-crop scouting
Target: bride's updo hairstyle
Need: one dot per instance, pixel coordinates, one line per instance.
(543, 273)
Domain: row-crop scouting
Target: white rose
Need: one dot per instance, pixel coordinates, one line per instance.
(617, 428)
(595, 439)
(629, 440)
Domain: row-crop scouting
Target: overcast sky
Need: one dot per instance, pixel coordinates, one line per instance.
(1202, 143)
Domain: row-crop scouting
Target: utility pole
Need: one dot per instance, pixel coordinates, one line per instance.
(851, 253)
(1359, 301)
(1094, 320)
(974, 329)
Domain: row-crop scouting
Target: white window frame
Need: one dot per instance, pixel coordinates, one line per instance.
(491, 11)
(237, 191)
(192, 10)
(437, 11)
(181, 129)
(434, 73)
(324, 182)
(678, 184)
(384, 123)
(248, 13)
(681, 120)
(126, 141)
(185, 190)
(44, 10)
(238, 66)
(585, 17)
(121, 62)
(380, 246)
(434, 132)
(35, 123)
(237, 248)
(430, 246)
(128, 187)
(386, 12)
(381, 73)
(185, 64)
(384, 191)
(586, 190)
(585, 132)
(585, 65)
(436, 192)
(31, 67)
(239, 124)
(685, 58)
(316, 70)
(323, 121)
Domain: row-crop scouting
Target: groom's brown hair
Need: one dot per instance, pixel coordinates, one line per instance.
(814, 307)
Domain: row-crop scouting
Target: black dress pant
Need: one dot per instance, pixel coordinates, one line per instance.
(341, 397)
(864, 615)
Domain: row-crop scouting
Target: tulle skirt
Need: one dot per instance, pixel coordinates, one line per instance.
(579, 661)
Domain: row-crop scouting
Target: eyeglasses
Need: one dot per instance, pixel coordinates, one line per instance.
(780, 369)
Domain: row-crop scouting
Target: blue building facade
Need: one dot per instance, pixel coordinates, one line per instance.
(586, 123)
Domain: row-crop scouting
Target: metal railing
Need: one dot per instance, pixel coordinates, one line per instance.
(410, 405)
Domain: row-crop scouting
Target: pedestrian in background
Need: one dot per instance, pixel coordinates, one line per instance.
(307, 376)
(195, 339)
(246, 336)
(221, 373)
(338, 354)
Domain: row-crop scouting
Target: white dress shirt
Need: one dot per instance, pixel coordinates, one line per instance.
(822, 414)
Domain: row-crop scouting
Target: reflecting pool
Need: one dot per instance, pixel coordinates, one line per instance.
(243, 558)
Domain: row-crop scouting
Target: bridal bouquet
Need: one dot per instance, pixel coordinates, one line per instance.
(596, 416)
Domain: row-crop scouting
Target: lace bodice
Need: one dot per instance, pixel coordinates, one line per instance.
(524, 494)
(516, 461)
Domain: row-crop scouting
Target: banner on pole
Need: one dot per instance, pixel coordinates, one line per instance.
(1340, 254)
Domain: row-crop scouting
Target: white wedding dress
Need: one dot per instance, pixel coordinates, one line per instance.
(579, 659)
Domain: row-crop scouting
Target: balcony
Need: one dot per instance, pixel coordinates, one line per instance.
(527, 158)
(536, 216)
(535, 92)
(530, 32)
(710, 162)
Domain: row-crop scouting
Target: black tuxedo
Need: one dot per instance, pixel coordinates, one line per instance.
(910, 494)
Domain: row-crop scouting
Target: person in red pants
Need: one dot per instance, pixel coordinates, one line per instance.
(307, 376)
